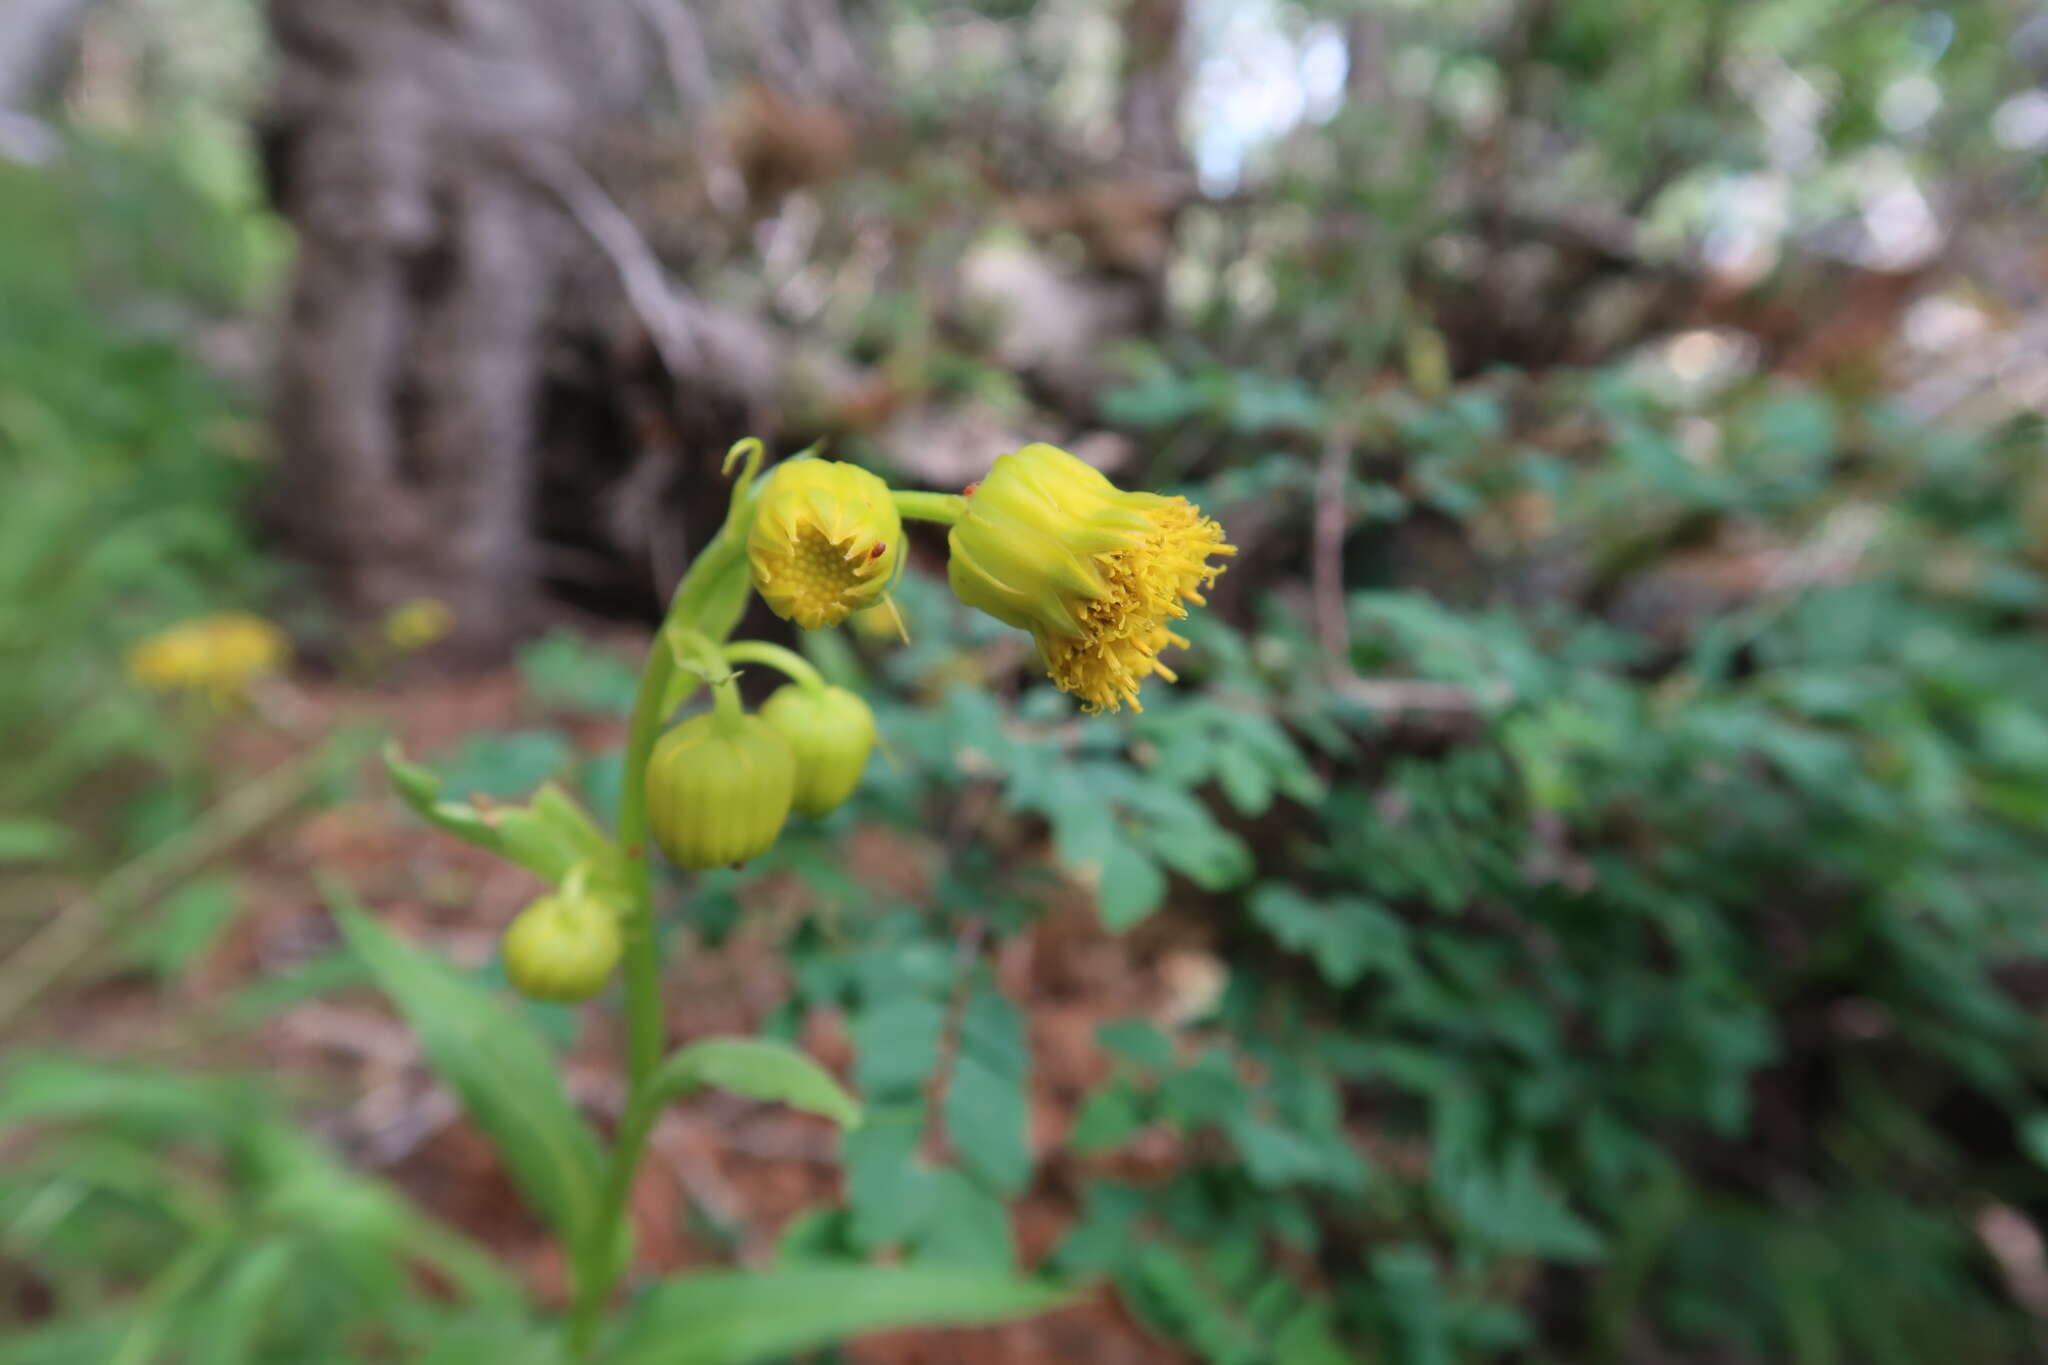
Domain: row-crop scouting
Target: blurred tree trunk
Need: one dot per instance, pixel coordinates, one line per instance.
(429, 263)
(1155, 82)
(38, 44)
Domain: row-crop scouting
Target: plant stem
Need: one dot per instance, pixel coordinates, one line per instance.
(786, 661)
(942, 507)
(596, 1261)
(643, 996)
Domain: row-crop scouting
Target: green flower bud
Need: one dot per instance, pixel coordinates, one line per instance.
(831, 731)
(719, 789)
(562, 947)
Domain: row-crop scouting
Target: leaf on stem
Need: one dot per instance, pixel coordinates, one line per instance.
(734, 1317)
(760, 1070)
(501, 1070)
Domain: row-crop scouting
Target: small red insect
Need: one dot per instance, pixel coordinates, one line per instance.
(968, 491)
(881, 548)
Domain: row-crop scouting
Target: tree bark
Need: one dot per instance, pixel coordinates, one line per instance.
(428, 267)
(1155, 81)
(38, 44)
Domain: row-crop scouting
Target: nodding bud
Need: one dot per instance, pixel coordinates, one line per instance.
(831, 731)
(562, 947)
(826, 541)
(719, 789)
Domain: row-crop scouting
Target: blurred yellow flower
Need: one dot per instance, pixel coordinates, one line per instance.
(825, 542)
(416, 624)
(1047, 544)
(219, 654)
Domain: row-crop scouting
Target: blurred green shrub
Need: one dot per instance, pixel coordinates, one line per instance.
(1669, 993)
(126, 464)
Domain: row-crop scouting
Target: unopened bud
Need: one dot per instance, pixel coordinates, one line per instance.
(719, 789)
(831, 731)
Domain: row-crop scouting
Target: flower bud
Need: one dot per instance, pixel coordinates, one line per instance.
(1095, 573)
(719, 789)
(825, 542)
(562, 947)
(831, 731)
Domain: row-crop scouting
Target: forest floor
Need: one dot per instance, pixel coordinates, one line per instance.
(724, 1176)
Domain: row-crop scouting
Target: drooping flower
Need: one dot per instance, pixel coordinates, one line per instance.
(719, 788)
(831, 731)
(825, 542)
(220, 655)
(1096, 574)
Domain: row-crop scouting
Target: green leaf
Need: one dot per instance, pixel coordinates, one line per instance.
(26, 839)
(888, 1186)
(897, 1046)
(336, 969)
(138, 1100)
(1131, 886)
(734, 1317)
(1108, 1119)
(1244, 779)
(230, 1314)
(1346, 935)
(505, 765)
(1514, 1208)
(503, 1073)
(760, 1070)
(186, 926)
(987, 1110)
(548, 838)
(1138, 1042)
(563, 671)
(2034, 1136)
(969, 1226)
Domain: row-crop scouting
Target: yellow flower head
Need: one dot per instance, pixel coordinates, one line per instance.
(418, 623)
(220, 654)
(826, 541)
(1096, 574)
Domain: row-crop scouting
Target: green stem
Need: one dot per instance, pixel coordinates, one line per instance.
(596, 1260)
(786, 661)
(706, 606)
(942, 507)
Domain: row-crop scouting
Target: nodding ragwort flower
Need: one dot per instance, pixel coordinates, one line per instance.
(825, 542)
(220, 655)
(1095, 573)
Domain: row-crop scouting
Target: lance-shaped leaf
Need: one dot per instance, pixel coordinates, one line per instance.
(548, 837)
(733, 1317)
(502, 1072)
(760, 1070)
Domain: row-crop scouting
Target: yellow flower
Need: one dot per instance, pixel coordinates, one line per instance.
(1096, 574)
(220, 654)
(825, 542)
(416, 624)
